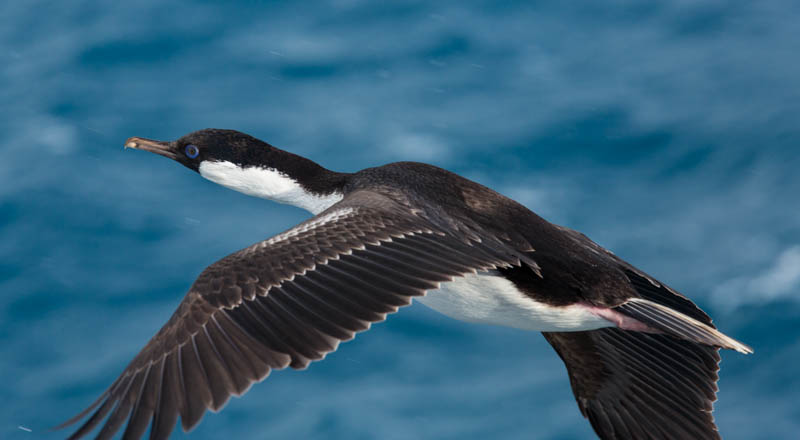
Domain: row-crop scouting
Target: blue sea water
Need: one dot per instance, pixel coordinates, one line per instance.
(668, 131)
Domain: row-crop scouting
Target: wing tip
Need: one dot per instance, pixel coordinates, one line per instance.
(74, 419)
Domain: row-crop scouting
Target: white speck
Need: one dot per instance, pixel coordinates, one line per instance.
(94, 130)
(23, 428)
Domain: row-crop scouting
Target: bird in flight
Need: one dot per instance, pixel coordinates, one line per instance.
(642, 359)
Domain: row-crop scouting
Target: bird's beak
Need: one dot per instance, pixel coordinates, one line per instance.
(158, 147)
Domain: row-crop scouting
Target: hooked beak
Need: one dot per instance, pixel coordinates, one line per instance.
(158, 147)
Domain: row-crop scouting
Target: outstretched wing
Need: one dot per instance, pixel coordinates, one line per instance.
(282, 302)
(633, 385)
(647, 386)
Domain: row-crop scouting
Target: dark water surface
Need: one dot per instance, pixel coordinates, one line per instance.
(668, 131)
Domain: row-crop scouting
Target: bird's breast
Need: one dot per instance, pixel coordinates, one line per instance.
(490, 298)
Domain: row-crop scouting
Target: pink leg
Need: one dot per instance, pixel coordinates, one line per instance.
(622, 321)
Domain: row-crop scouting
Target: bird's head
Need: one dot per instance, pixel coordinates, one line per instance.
(243, 163)
(211, 145)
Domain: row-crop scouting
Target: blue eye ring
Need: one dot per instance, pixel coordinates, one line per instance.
(191, 151)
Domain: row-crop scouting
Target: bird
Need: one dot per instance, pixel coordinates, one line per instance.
(642, 359)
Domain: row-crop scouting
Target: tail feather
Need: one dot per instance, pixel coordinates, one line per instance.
(678, 324)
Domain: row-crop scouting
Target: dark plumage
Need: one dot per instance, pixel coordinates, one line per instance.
(390, 234)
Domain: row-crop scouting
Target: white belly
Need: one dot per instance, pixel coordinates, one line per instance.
(492, 299)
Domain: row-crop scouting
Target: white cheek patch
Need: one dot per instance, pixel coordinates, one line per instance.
(267, 183)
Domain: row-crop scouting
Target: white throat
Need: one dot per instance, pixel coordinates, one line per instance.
(267, 183)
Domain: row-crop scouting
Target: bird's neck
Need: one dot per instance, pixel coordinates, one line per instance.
(298, 182)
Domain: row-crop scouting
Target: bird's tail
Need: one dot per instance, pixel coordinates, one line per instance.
(677, 324)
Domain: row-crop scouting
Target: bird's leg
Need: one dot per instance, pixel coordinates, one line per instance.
(622, 321)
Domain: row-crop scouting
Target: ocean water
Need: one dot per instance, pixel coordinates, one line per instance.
(668, 131)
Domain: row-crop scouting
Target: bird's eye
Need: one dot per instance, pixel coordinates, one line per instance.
(192, 151)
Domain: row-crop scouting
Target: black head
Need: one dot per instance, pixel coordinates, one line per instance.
(225, 156)
(213, 145)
